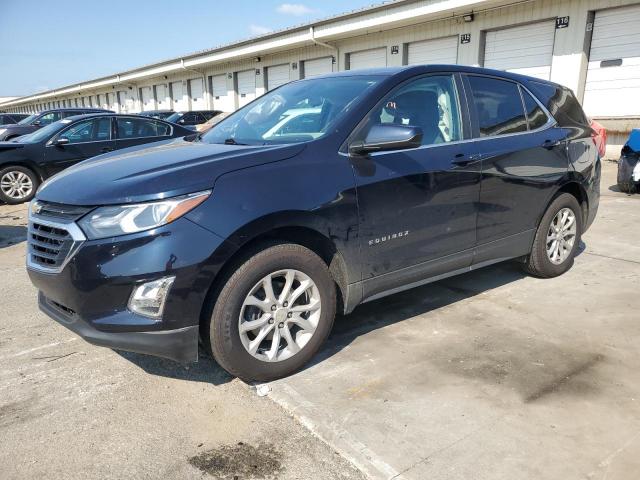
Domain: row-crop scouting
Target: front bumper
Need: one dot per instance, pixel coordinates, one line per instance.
(90, 294)
(180, 344)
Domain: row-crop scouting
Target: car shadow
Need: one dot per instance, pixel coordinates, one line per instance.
(387, 311)
(205, 370)
(12, 234)
(366, 318)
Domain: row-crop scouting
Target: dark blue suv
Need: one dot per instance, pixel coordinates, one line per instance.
(316, 197)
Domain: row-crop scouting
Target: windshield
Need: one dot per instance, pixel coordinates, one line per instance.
(28, 120)
(174, 117)
(44, 133)
(297, 112)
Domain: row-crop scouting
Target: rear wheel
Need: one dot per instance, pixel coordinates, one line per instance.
(273, 314)
(557, 238)
(17, 184)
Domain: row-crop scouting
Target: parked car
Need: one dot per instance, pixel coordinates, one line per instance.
(28, 160)
(251, 239)
(203, 127)
(161, 114)
(192, 119)
(11, 118)
(599, 137)
(39, 120)
(629, 164)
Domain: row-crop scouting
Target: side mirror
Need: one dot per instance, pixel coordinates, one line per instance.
(36, 123)
(387, 137)
(60, 141)
(181, 121)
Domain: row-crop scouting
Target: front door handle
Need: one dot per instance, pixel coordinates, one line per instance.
(106, 150)
(463, 160)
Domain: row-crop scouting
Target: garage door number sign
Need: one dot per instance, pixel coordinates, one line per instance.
(562, 22)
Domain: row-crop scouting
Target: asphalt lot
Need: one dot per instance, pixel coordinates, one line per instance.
(490, 375)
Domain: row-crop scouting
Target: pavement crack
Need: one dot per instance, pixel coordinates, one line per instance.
(53, 358)
(446, 447)
(613, 258)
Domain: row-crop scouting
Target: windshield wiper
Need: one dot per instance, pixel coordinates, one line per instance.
(232, 141)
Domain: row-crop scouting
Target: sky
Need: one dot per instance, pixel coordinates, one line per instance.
(47, 44)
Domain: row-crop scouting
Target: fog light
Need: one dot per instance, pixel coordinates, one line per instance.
(148, 298)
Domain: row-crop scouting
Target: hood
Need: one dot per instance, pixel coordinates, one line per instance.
(154, 171)
(14, 129)
(10, 145)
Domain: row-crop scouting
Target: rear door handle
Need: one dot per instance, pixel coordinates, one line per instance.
(106, 149)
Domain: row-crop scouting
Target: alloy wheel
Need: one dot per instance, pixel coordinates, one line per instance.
(16, 185)
(279, 315)
(561, 236)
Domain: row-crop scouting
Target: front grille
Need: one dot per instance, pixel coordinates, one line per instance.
(49, 246)
(59, 211)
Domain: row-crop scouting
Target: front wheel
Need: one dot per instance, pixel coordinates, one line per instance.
(557, 238)
(273, 314)
(17, 184)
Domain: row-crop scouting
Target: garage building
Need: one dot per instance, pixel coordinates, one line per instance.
(591, 46)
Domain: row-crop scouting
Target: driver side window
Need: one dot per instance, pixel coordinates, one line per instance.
(430, 103)
(94, 130)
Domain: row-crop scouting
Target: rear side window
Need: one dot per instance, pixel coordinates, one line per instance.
(561, 103)
(140, 127)
(535, 114)
(498, 106)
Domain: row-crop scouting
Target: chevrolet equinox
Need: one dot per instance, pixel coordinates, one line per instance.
(318, 196)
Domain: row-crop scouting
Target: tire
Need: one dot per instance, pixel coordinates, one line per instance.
(539, 262)
(21, 173)
(625, 183)
(230, 347)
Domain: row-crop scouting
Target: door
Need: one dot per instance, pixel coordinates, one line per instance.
(277, 75)
(317, 66)
(246, 87)
(148, 102)
(87, 138)
(132, 131)
(613, 76)
(374, 58)
(418, 207)
(220, 93)
(177, 97)
(162, 97)
(523, 157)
(527, 49)
(437, 51)
(196, 90)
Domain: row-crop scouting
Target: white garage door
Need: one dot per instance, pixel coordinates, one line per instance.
(196, 89)
(246, 87)
(613, 75)
(220, 93)
(317, 66)
(177, 97)
(148, 102)
(162, 97)
(440, 50)
(277, 75)
(527, 49)
(368, 59)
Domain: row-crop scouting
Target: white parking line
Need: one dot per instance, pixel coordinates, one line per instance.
(35, 349)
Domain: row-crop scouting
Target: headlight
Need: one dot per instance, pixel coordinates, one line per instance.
(117, 220)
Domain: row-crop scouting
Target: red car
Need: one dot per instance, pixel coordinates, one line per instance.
(600, 137)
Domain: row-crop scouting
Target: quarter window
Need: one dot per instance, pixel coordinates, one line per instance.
(498, 106)
(429, 103)
(535, 114)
